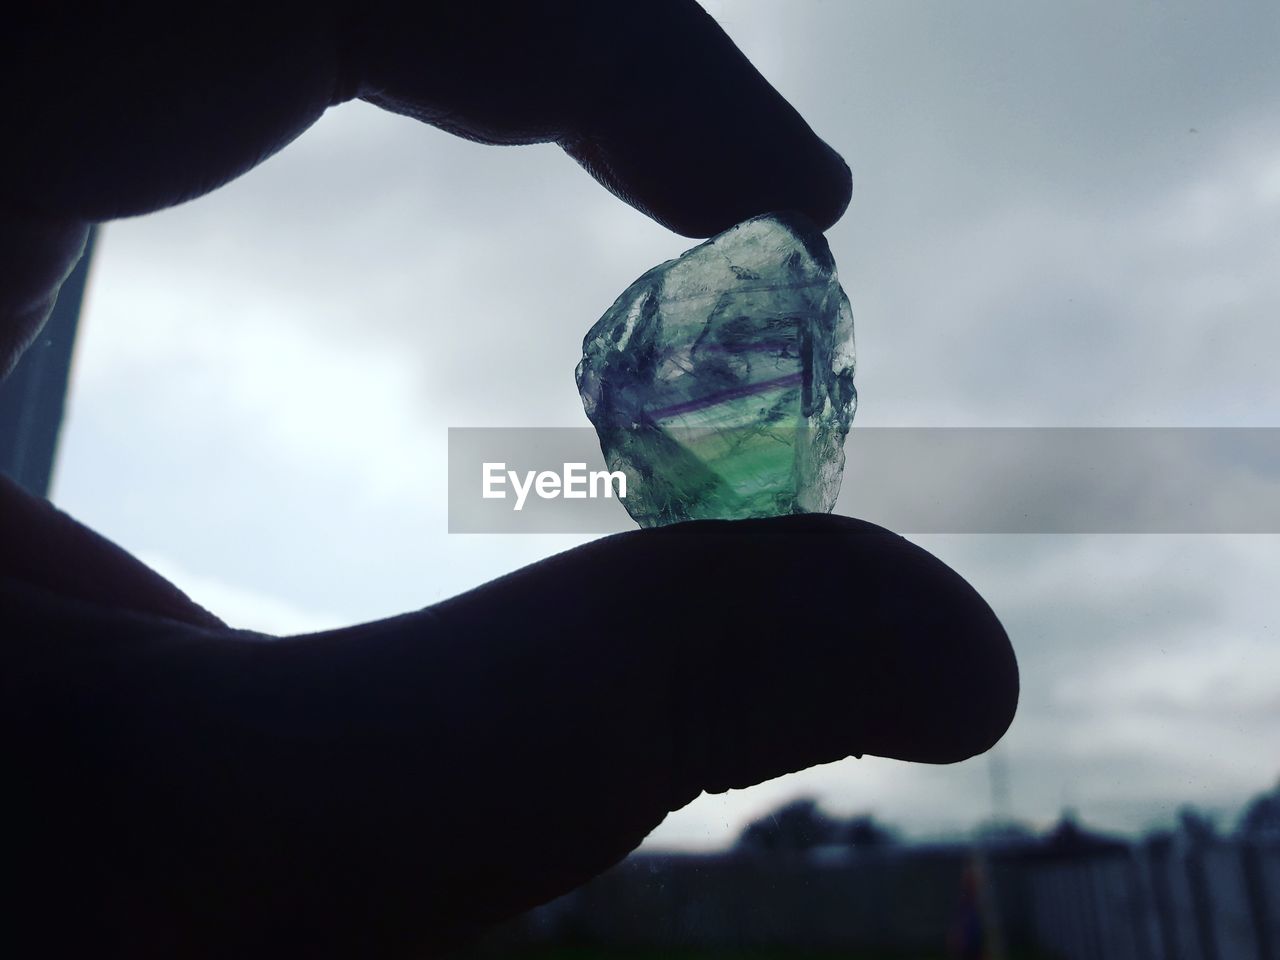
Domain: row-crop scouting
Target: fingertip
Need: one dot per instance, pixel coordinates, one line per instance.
(693, 135)
(835, 192)
(951, 668)
(711, 185)
(915, 665)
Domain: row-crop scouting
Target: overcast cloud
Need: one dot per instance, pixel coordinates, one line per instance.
(1063, 214)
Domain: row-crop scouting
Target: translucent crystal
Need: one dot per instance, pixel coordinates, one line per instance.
(721, 383)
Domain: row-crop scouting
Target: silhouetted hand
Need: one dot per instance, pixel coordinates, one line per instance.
(176, 787)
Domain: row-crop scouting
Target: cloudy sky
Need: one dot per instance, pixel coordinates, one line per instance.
(1063, 215)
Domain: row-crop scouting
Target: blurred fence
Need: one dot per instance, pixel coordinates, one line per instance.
(1165, 900)
(1220, 901)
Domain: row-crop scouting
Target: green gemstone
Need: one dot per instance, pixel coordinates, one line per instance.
(721, 383)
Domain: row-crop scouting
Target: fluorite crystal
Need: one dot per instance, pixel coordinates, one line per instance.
(721, 383)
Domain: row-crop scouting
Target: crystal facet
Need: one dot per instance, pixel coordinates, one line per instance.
(721, 383)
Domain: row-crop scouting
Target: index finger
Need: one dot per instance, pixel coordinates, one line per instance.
(653, 99)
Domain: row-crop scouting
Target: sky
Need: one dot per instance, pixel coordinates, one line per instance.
(1063, 215)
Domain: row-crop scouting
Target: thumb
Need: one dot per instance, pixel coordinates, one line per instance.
(390, 787)
(580, 700)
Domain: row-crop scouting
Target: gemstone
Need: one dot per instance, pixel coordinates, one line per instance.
(721, 383)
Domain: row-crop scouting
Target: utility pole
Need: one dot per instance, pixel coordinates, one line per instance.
(1001, 814)
(998, 774)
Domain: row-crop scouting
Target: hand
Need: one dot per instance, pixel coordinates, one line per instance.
(181, 788)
